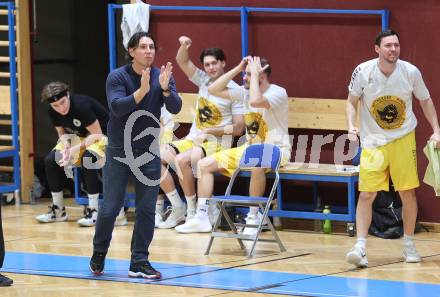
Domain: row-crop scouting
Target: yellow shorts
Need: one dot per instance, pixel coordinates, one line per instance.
(208, 147)
(397, 159)
(97, 147)
(228, 160)
(166, 136)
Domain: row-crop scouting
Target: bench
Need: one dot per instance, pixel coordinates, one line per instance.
(304, 113)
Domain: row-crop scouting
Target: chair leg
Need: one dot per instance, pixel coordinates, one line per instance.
(275, 235)
(214, 228)
(254, 242)
(208, 249)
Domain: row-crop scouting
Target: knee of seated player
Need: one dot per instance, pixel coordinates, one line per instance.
(167, 154)
(207, 165)
(91, 160)
(258, 172)
(50, 159)
(183, 160)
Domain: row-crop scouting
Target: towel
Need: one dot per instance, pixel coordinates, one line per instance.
(135, 18)
(432, 174)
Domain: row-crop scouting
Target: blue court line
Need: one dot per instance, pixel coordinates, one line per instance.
(332, 286)
(201, 276)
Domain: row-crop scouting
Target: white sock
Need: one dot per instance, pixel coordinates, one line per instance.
(121, 212)
(93, 201)
(361, 242)
(408, 239)
(57, 199)
(202, 207)
(253, 210)
(175, 198)
(160, 204)
(191, 202)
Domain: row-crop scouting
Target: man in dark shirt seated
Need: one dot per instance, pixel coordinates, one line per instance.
(81, 124)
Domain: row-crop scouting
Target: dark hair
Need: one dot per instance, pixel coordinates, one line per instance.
(213, 51)
(134, 41)
(385, 33)
(265, 62)
(52, 89)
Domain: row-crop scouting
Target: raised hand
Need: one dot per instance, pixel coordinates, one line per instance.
(165, 75)
(255, 65)
(145, 80)
(243, 63)
(66, 157)
(436, 137)
(185, 41)
(353, 133)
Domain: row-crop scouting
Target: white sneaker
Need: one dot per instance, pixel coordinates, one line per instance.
(252, 220)
(410, 253)
(357, 257)
(159, 215)
(190, 213)
(121, 219)
(176, 216)
(89, 219)
(213, 212)
(158, 219)
(55, 214)
(195, 225)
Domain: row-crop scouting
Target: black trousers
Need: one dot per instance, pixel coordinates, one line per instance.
(56, 176)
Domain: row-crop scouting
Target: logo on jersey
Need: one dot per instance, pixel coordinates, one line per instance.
(77, 122)
(208, 115)
(389, 112)
(256, 127)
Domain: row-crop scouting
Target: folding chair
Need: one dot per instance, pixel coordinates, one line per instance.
(256, 155)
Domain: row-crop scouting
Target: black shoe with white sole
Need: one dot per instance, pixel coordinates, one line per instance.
(143, 270)
(5, 281)
(97, 263)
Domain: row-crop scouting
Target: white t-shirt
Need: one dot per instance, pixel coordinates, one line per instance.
(386, 102)
(212, 111)
(167, 126)
(268, 125)
(166, 118)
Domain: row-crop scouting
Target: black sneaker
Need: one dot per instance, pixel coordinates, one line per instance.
(5, 281)
(97, 263)
(143, 270)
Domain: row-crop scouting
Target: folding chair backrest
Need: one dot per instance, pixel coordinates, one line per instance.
(261, 155)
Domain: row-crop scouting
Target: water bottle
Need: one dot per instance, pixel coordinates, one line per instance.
(318, 223)
(327, 225)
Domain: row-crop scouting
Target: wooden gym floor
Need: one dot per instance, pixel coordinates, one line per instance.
(52, 259)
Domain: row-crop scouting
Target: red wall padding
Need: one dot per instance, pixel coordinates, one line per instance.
(313, 55)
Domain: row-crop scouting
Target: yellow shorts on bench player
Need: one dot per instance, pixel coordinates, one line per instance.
(228, 160)
(208, 147)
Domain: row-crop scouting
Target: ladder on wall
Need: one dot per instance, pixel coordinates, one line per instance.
(9, 143)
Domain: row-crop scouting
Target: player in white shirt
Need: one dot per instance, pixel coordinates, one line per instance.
(385, 87)
(216, 121)
(266, 116)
